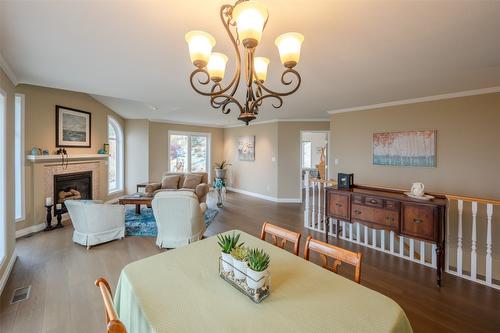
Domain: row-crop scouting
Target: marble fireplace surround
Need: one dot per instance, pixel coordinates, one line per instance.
(43, 169)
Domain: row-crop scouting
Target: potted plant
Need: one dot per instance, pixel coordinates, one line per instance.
(220, 168)
(258, 262)
(227, 243)
(239, 255)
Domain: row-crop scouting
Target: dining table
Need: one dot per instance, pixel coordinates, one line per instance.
(180, 290)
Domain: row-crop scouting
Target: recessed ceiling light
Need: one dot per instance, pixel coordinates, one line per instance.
(154, 107)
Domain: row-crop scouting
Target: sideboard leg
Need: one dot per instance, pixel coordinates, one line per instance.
(439, 258)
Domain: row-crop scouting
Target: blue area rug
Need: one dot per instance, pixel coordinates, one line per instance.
(145, 223)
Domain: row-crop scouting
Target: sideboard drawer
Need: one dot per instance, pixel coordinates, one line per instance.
(374, 201)
(339, 205)
(376, 217)
(419, 221)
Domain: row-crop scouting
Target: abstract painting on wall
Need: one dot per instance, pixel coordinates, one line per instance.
(408, 148)
(73, 127)
(246, 148)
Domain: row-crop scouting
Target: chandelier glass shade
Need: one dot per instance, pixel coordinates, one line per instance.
(244, 23)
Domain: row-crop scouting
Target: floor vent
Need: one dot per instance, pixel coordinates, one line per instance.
(20, 294)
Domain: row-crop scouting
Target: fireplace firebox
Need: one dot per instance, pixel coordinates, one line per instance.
(72, 186)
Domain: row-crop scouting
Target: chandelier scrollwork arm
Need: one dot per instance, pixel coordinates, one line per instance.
(244, 22)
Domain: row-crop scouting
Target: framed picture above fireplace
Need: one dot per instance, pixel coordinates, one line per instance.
(73, 127)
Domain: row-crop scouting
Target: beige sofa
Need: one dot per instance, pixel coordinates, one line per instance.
(200, 188)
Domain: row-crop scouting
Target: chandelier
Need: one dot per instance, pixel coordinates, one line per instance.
(244, 23)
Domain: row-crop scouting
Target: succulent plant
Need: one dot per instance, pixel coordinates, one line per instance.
(240, 253)
(258, 260)
(228, 242)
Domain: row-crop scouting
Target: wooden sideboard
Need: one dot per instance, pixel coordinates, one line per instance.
(393, 211)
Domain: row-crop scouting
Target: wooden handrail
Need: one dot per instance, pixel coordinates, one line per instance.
(114, 325)
(473, 199)
(323, 181)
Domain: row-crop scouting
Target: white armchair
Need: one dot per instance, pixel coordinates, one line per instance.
(95, 222)
(179, 217)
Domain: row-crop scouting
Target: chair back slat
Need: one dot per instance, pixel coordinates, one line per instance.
(285, 235)
(339, 255)
(114, 325)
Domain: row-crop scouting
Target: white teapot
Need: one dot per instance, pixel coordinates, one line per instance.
(417, 189)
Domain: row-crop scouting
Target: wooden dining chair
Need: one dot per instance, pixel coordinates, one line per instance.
(339, 255)
(114, 325)
(284, 234)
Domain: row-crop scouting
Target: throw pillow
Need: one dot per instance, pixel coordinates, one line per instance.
(170, 182)
(191, 180)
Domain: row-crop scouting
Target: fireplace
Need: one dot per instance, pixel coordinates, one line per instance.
(72, 186)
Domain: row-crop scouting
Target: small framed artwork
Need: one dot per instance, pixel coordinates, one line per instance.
(246, 148)
(73, 127)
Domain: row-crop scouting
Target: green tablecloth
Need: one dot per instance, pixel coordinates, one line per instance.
(180, 291)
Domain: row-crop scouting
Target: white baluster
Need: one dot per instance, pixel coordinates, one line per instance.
(391, 242)
(459, 237)
(374, 238)
(422, 252)
(350, 231)
(319, 205)
(382, 239)
(401, 246)
(330, 226)
(324, 208)
(433, 262)
(358, 234)
(489, 213)
(313, 208)
(306, 211)
(412, 249)
(343, 229)
(473, 254)
(366, 236)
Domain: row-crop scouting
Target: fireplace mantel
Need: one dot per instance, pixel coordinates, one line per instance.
(55, 158)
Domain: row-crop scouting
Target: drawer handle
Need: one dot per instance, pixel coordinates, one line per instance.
(389, 218)
(357, 212)
(338, 205)
(417, 221)
(373, 201)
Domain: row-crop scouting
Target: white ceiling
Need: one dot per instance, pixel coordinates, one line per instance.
(131, 55)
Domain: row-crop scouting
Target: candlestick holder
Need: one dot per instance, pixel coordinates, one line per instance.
(49, 218)
(59, 218)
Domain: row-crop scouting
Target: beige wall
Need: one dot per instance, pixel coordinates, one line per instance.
(158, 145)
(468, 145)
(279, 179)
(289, 169)
(136, 153)
(10, 231)
(40, 130)
(259, 176)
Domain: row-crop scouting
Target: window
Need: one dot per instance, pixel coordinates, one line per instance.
(189, 152)
(115, 165)
(306, 154)
(18, 157)
(3, 178)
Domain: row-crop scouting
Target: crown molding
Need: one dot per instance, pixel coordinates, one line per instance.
(8, 71)
(420, 99)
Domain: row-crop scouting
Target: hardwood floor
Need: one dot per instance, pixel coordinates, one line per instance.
(64, 298)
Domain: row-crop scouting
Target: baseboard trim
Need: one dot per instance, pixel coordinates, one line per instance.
(30, 230)
(7, 272)
(265, 197)
(289, 200)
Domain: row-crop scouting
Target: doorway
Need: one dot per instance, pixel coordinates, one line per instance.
(313, 155)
